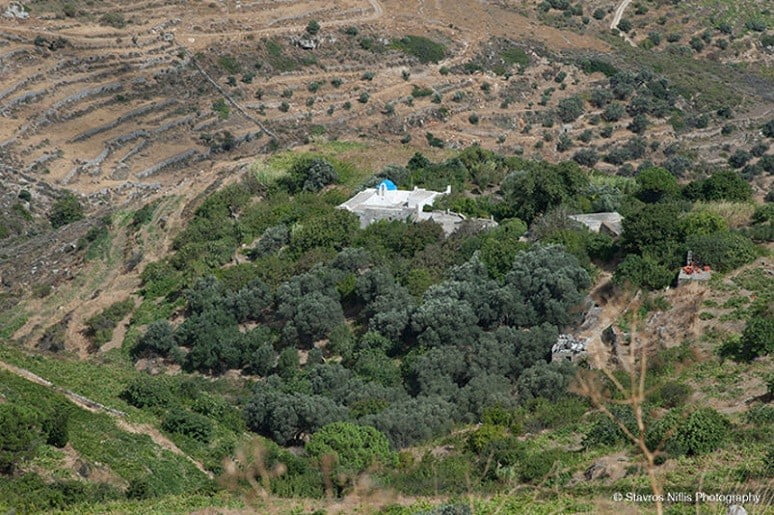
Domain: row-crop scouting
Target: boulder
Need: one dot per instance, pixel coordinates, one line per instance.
(82, 468)
(16, 11)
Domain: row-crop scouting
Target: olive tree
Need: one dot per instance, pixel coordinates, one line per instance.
(550, 280)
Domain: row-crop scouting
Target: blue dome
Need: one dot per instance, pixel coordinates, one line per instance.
(388, 184)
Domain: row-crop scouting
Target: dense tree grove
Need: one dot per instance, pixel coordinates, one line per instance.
(362, 341)
(464, 343)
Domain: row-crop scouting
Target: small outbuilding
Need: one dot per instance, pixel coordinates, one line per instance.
(609, 223)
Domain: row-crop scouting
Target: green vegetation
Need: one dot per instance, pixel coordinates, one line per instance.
(220, 107)
(115, 20)
(355, 448)
(230, 64)
(65, 210)
(569, 109)
(281, 62)
(424, 49)
(99, 328)
(30, 411)
(756, 340)
(313, 27)
(515, 56)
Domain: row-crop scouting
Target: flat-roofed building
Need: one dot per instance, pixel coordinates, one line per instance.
(605, 223)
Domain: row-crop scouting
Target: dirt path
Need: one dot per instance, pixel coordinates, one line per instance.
(619, 11)
(613, 307)
(95, 407)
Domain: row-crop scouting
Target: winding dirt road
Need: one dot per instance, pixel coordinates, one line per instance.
(619, 11)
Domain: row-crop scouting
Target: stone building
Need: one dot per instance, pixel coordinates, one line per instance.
(604, 223)
(569, 348)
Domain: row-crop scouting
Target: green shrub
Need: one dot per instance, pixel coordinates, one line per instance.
(139, 488)
(99, 328)
(703, 223)
(701, 432)
(218, 409)
(656, 184)
(644, 272)
(418, 92)
(144, 215)
(158, 340)
(21, 434)
(569, 109)
(437, 476)
(313, 27)
(760, 415)
(230, 64)
(537, 466)
(483, 436)
(148, 392)
(424, 49)
(723, 251)
(56, 426)
(613, 112)
(543, 414)
(309, 174)
(515, 55)
(605, 431)
(333, 230)
(186, 423)
(673, 394)
(355, 447)
(723, 185)
(115, 20)
(30, 493)
(65, 210)
(220, 107)
(546, 380)
(598, 66)
(434, 141)
(757, 340)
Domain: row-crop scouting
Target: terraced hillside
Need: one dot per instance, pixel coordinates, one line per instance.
(111, 99)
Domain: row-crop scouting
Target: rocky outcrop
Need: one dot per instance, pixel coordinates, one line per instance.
(16, 11)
